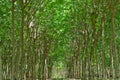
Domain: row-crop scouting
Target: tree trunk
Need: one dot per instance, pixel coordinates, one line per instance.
(13, 44)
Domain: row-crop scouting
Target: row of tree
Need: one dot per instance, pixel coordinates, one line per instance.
(38, 34)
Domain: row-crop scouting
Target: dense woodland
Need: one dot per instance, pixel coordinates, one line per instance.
(59, 39)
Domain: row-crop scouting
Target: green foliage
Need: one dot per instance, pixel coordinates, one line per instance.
(63, 29)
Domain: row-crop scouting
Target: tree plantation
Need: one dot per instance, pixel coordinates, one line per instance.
(59, 39)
